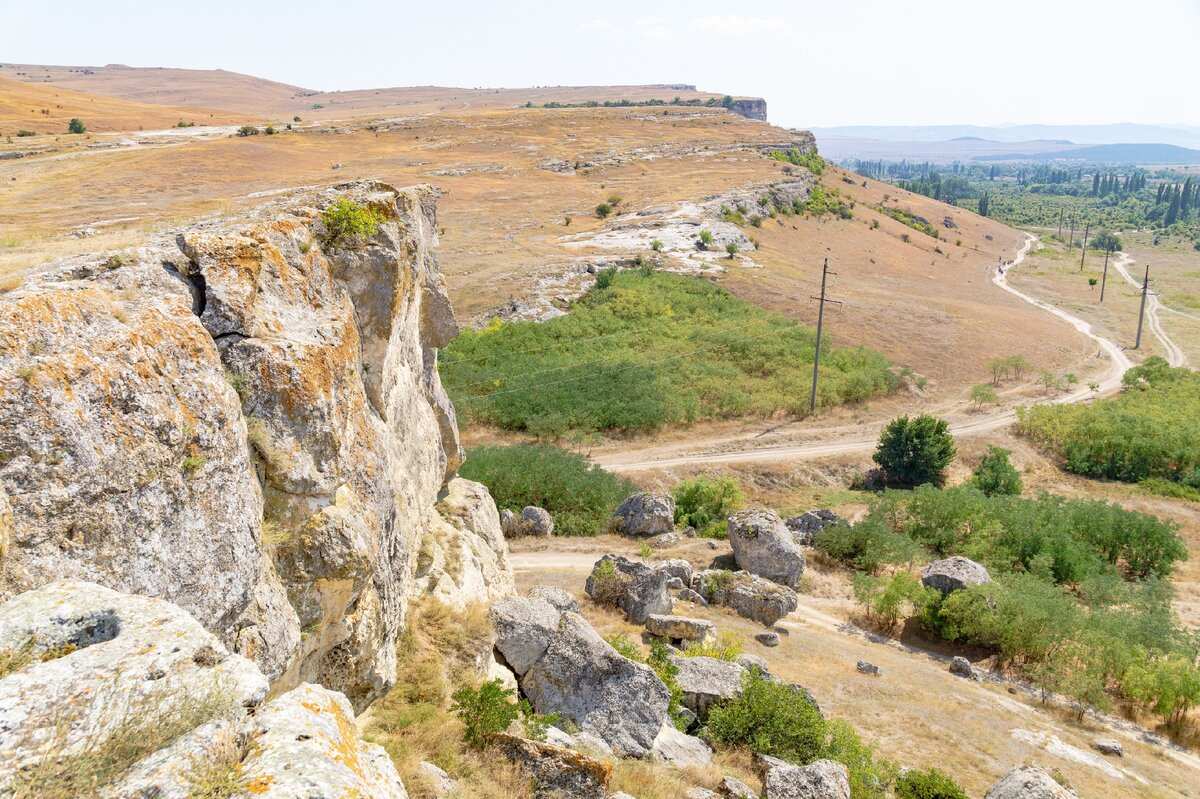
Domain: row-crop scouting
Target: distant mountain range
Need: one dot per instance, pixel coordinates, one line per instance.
(1180, 135)
(1111, 154)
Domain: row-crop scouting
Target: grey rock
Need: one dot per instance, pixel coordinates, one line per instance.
(731, 788)
(439, 781)
(524, 629)
(688, 595)
(1110, 746)
(664, 540)
(1027, 782)
(676, 567)
(700, 793)
(674, 584)
(707, 682)
(767, 638)
(645, 514)
(582, 677)
(679, 628)
(679, 749)
(961, 667)
(689, 532)
(748, 662)
(868, 668)
(954, 574)
(751, 596)
(558, 773)
(633, 587)
(532, 521)
(822, 779)
(560, 598)
(762, 545)
(807, 525)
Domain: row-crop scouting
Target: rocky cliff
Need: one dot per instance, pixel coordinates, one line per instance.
(750, 108)
(245, 418)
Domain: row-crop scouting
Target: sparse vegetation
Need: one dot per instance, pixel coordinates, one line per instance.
(726, 646)
(705, 504)
(348, 223)
(603, 210)
(484, 711)
(809, 159)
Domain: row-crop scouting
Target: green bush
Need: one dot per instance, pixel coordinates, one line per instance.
(915, 451)
(706, 239)
(809, 159)
(580, 496)
(705, 504)
(603, 210)
(76, 126)
(868, 546)
(995, 475)
(247, 130)
(641, 351)
(484, 711)
(928, 784)
(348, 222)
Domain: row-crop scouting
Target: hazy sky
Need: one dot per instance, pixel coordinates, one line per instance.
(830, 62)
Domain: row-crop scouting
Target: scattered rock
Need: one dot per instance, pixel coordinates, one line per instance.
(948, 222)
(674, 584)
(558, 773)
(676, 567)
(438, 779)
(869, 668)
(731, 788)
(806, 526)
(665, 540)
(688, 595)
(689, 532)
(763, 545)
(753, 597)
(823, 779)
(707, 682)
(1028, 782)
(700, 793)
(954, 574)
(679, 628)
(633, 587)
(645, 514)
(1110, 746)
(679, 749)
(533, 521)
(560, 598)
(961, 667)
(767, 638)
(336, 166)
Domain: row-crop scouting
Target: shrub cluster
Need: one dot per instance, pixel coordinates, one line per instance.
(348, 222)
(705, 504)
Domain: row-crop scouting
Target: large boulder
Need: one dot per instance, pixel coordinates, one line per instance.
(679, 628)
(754, 597)
(560, 598)
(677, 568)
(556, 772)
(679, 749)
(961, 667)
(532, 521)
(954, 574)
(645, 514)
(807, 525)
(763, 545)
(564, 666)
(707, 682)
(464, 557)
(822, 779)
(633, 587)
(1028, 782)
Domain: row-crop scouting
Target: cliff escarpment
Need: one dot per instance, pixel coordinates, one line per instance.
(245, 418)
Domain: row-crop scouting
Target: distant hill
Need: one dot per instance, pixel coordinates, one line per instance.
(1110, 154)
(1181, 135)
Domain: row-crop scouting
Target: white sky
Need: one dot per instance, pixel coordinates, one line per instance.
(831, 62)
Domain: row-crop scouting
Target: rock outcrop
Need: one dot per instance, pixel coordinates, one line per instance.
(822, 779)
(954, 574)
(645, 514)
(245, 419)
(763, 545)
(807, 525)
(750, 108)
(707, 682)
(1027, 782)
(633, 587)
(556, 773)
(754, 597)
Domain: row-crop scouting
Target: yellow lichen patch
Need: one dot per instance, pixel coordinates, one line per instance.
(260, 784)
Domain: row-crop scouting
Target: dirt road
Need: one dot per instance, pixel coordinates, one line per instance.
(678, 454)
(1175, 355)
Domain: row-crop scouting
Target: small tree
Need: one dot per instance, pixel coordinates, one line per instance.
(603, 210)
(731, 249)
(706, 239)
(347, 222)
(270, 130)
(247, 130)
(76, 126)
(983, 394)
(995, 475)
(915, 451)
(484, 711)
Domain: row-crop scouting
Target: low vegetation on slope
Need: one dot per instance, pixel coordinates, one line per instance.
(1150, 431)
(645, 349)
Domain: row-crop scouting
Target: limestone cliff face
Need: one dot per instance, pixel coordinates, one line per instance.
(246, 420)
(750, 108)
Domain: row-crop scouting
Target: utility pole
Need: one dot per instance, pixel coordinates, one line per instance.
(1083, 254)
(1061, 211)
(1071, 242)
(812, 402)
(1104, 280)
(1142, 312)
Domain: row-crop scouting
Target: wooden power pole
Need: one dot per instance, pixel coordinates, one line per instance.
(1104, 280)
(1071, 241)
(1061, 211)
(812, 401)
(1142, 312)
(1083, 254)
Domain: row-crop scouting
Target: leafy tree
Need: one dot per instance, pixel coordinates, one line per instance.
(347, 222)
(705, 503)
(247, 130)
(484, 711)
(603, 210)
(76, 125)
(1106, 240)
(1170, 685)
(915, 451)
(995, 475)
(983, 394)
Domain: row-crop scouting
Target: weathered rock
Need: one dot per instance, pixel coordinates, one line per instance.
(676, 567)
(582, 677)
(633, 587)
(762, 545)
(6, 521)
(679, 749)
(700, 793)
(732, 788)
(679, 628)
(688, 595)
(464, 556)
(954, 574)
(556, 772)
(524, 628)
(674, 584)
(305, 746)
(243, 418)
(748, 662)
(532, 521)
(1110, 746)
(1027, 782)
(754, 597)
(560, 598)
(961, 667)
(868, 668)
(645, 514)
(439, 781)
(767, 638)
(822, 779)
(707, 682)
(664, 540)
(806, 526)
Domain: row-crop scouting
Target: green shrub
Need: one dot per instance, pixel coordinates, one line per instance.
(731, 249)
(705, 504)
(76, 126)
(869, 545)
(603, 210)
(995, 475)
(928, 784)
(706, 239)
(23, 133)
(915, 451)
(247, 130)
(769, 718)
(656, 245)
(484, 711)
(808, 159)
(727, 645)
(580, 496)
(536, 725)
(348, 222)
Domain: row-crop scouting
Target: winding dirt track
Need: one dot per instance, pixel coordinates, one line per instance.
(677, 455)
(1175, 355)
